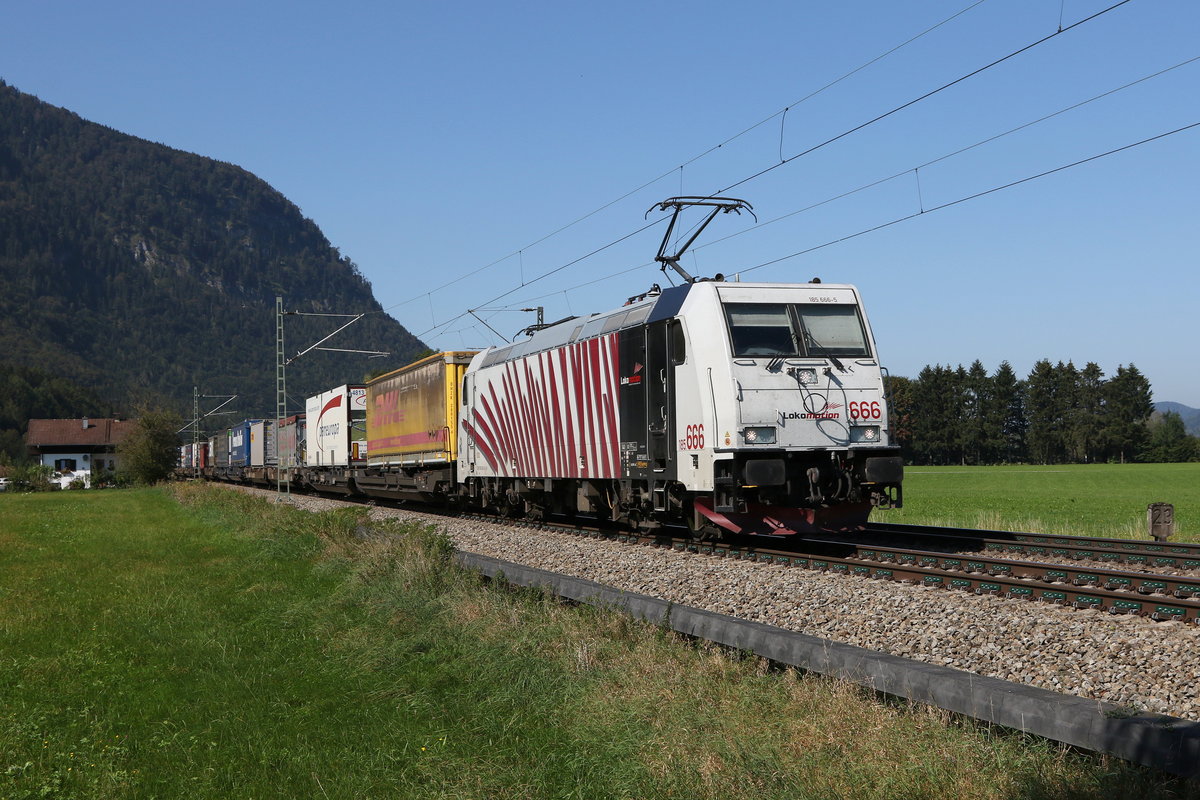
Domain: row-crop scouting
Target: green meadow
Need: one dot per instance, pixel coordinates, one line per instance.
(1080, 499)
(199, 643)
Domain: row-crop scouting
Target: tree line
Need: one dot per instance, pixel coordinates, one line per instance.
(1058, 414)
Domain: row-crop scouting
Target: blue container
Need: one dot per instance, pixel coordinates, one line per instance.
(239, 443)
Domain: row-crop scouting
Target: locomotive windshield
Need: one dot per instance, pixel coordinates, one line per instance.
(796, 329)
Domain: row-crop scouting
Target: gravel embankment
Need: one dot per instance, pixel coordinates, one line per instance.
(1130, 661)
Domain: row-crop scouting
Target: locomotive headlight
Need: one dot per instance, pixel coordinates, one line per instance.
(806, 376)
(865, 434)
(763, 435)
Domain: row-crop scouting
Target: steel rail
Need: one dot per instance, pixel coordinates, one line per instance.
(1182, 555)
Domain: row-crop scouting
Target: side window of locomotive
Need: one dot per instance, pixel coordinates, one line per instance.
(593, 328)
(615, 321)
(638, 315)
(835, 330)
(761, 329)
(678, 343)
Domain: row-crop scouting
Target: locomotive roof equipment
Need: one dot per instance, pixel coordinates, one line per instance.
(719, 205)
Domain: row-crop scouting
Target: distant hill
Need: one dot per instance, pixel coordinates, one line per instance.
(140, 271)
(1191, 416)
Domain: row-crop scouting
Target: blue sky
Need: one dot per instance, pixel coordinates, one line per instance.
(429, 141)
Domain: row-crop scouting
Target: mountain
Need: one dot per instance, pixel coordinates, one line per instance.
(141, 271)
(1191, 416)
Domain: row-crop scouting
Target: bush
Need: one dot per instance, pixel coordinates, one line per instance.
(32, 478)
(149, 452)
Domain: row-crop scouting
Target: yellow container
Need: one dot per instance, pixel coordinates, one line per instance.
(412, 413)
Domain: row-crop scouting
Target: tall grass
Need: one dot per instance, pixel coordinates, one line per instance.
(217, 645)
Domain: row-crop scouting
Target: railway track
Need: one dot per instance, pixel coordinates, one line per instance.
(1169, 555)
(989, 568)
(1160, 597)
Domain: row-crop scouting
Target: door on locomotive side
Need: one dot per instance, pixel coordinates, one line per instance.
(633, 382)
(659, 396)
(650, 357)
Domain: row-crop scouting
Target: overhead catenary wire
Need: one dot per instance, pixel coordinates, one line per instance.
(832, 83)
(872, 184)
(879, 181)
(695, 158)
(547, 274)
(925, 96)
(441, 325)
(931, 210)
(845, 133)
(968, 198)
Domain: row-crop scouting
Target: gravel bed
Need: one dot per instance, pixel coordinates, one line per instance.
(1130, 661)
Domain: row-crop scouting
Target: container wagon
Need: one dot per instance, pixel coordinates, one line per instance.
(412, 418)
(336, 438)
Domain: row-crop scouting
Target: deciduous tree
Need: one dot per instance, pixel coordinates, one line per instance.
(150, 451)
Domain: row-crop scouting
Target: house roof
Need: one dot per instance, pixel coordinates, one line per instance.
(77, 432)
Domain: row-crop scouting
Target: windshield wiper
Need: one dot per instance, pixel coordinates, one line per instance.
(812, 344)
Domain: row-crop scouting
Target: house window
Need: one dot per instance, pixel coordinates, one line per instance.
(64, 465)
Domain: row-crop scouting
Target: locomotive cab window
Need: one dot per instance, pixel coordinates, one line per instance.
(785, 329)
(834, 330)
(678, 343)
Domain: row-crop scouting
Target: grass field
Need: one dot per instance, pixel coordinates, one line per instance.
(1092, 499)
(218, 646)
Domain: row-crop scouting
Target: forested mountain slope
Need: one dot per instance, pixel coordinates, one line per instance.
(140, 271)
(1190, 416)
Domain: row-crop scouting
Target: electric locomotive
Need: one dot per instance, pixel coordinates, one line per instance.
(731, 407)
(750, 408)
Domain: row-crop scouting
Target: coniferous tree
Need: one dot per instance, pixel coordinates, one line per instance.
(1089, 420)
(900, 412)
(1059, 414)
(1043, 434)
(1066, 401)
(1007, 414)
(976, 395)
(935, 424)
(1129, 404)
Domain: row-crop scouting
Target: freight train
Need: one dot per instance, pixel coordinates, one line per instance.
(725, 407)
